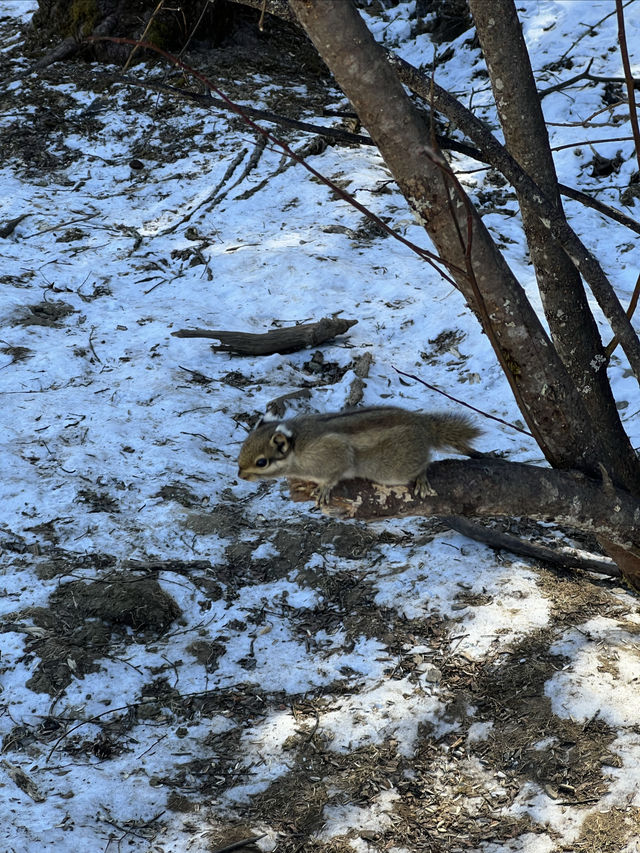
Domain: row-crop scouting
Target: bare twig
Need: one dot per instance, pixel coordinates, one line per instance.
(585, 75)
(194, 29)
(564, 83)
(592, 142)
(214, 195)
(589, 30)
(252, 162)
(198, 376)
(61, 225)
(601, 207)
(262, 14)
(463, 403)
(142, 37)
(91, 333)
(209, 103)
(237, 845)
(587, 122)
(633, 304)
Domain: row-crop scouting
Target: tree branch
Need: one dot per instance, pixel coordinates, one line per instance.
(337, 133)
(479, 488)
(601, 207)
(502, 541)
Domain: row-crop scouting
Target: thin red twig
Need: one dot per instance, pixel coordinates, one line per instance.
(462, 402)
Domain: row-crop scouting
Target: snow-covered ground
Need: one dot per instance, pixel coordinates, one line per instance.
(189, 659)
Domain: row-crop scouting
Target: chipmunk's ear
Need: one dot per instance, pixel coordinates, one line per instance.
(282, 440)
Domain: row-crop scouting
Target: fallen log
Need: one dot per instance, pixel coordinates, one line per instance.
(488, 487)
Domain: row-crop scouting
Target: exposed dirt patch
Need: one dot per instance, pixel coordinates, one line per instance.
(98, 501)
(47, 313)
(82, 619)
(608, 831)
(224, 520)
(179, 493)
(16, 353)
(527, 740)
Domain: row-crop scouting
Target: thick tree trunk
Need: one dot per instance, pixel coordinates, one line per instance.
(549, 401)
(571, 322)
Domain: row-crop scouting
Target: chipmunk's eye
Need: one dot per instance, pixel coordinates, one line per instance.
(261, 462)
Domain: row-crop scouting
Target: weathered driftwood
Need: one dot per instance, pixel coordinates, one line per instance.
(288, 339)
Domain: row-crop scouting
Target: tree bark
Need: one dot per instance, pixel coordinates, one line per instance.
(573, 328)
(479, 488)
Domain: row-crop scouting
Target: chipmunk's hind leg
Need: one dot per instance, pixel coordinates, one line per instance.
(423, 488)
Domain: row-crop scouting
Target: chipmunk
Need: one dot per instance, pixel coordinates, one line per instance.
(388, 445)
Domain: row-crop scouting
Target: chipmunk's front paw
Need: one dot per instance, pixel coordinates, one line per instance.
(423, 488)
(323, 495)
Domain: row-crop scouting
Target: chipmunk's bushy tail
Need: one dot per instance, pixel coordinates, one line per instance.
(455, 431)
